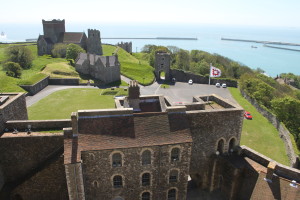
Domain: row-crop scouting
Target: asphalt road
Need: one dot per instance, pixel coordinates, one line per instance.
(179, 92)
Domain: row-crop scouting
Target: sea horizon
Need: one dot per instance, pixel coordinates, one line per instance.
(272, 61)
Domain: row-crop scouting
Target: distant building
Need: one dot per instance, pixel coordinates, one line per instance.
(104, 68)
(54, 32)
(127, 46)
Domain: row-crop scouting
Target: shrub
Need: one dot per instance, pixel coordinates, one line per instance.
(73, 51)
(59, 50)
(13, 69)
(21, 55)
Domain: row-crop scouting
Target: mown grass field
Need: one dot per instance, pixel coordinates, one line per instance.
(259, 134)
(60, 104)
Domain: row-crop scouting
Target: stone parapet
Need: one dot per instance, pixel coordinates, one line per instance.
(75, 181)
(21, 125)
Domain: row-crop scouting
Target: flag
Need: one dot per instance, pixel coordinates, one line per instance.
(214, 72)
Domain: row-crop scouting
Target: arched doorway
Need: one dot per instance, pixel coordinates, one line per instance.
(220, 147)
(231, 145)
(162, 75)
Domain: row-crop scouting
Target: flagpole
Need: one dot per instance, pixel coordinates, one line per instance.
(209, 74)
(209, 80)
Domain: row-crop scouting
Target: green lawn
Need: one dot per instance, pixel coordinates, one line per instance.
(60, 104)
(108, 50)
(259, 134)
(133, 67)
(60, 70)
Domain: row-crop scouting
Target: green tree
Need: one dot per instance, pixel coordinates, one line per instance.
(13, 69)
(21, 55)
(257, 89)
(183, 60)
(59, 50)
(73, 51)
(287, 110)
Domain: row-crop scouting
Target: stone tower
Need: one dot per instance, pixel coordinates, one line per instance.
(53, 29)
(94, 42)
(162, 64)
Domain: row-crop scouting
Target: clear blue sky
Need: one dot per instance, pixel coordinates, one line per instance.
(227, 12)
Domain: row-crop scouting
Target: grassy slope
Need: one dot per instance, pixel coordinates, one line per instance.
(29, 76)
(259, 134)
(108, 50)
(135, 68)
(60, 70)
(71, 100)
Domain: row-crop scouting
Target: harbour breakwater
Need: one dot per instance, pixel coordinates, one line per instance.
(262, 42)
(150, 38)
(270, 46)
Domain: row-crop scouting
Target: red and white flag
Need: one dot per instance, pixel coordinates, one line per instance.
(215, 72)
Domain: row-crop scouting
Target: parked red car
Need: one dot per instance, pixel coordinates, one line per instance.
(247, 115)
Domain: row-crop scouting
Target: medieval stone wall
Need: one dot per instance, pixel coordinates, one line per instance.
(182, 76)
(94, 42)
(53, 29)
(281, 170)
(43, 47)
(74, 176)
(103, 70)
(127, 46)
(49, 184)
(63, 81)
(21, 125)
(98, 172)
(19, 155)
(13, 109)
(2, 178)
(208, 128)
(162, 63)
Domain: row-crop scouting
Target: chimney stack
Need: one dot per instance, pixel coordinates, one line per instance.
(133, 90)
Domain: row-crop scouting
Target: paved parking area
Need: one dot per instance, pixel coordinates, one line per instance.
(183, 92)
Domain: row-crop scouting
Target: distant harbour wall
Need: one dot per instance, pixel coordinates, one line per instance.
(151, 38)
(289, 49)
(262, 42)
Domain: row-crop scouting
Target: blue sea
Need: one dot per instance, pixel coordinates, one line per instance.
(272, 61)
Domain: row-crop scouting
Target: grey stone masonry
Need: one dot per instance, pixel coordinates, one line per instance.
(103, 68)
(127, 46)
(94, 42)
(75, 181)
(14, 108)
(162, 64)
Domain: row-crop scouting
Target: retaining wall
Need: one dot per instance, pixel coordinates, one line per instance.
(283, 132)
(63, 81)
(182, 76)
(35, 88)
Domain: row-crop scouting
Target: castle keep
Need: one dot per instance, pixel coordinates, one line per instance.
(147, 148)
(54, 32)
